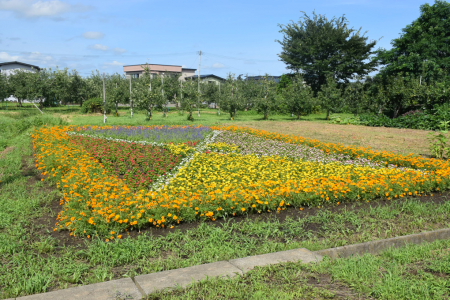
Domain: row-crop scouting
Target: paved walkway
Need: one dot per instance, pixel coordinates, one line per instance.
(143, 285)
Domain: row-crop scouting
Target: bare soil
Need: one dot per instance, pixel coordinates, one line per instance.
(401, 141)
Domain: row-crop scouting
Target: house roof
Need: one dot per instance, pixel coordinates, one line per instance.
(19, 63)
(208, 75)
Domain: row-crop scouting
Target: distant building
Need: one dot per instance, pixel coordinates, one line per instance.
(272, 78)
(208, 78)
(9, 67)
(12, 66)
(135, 71)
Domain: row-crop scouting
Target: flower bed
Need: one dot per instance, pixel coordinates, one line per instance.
(232, 171)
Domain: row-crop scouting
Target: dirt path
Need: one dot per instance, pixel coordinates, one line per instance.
(402, 141)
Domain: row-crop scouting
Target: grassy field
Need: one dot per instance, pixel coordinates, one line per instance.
(36, 259)
(412, 272)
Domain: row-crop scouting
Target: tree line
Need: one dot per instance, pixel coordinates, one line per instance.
(329, 61)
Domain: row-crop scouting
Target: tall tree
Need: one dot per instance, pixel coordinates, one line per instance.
(318, 47)
(423, 47)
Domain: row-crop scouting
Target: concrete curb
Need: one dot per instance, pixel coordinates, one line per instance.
(143, 285)
(375, 247)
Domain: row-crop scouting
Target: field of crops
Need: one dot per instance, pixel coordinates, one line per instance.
(118, 178)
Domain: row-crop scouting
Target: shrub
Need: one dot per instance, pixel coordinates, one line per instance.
(427, 120)
(94, 105)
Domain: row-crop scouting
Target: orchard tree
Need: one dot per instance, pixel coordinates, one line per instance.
(267, 101)
(62, 85)
(230, 100)
(189, 97)
(146, 93)
(423, 47)
(4, 87)
(42, 86)
(330, 96)
(118, 90)
(354, 95)
(19, 87)
(318, 47)
(298, 97)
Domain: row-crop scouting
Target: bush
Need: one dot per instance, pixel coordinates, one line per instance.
(94, 105)
(428, 120)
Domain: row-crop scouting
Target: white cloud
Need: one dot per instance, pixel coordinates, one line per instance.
(6, 57)
(99, 47)
(93, 35)
(114, 64)
(218, 66)
(35, 9)
(31, 57)
(37, 57)
(119, 50)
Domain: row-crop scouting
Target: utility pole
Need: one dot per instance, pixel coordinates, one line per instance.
(104, 100)
(150, 90)
(131, 99)
(219, 97)
(181, 95)
(162, 91)
(198, 101)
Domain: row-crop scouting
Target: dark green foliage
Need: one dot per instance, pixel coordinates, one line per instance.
(429, 120)
(94, 105)
(423, 47)
(318, 47)
(285, 81)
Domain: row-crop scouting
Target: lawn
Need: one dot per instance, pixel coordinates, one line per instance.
(54, 259)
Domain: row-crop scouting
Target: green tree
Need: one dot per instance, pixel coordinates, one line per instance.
(118, 90)
(267, 102)
(354, 95)
(230, 98)
(298, 97)
(189, 97)
(285, 81)
(318, 47)
(19, 87)
(4, 87)
(147, 92)
(423, 47)
(330, 96)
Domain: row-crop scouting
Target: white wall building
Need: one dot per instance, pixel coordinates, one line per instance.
(9, 68)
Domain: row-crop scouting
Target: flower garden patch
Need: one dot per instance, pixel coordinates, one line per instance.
(119, 178)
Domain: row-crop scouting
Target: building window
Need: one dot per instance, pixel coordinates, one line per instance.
(134, 75)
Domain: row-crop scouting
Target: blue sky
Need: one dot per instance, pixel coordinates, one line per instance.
(234, 36)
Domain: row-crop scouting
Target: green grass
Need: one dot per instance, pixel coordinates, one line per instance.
(207, 116)
(411, 272)
(34, 260)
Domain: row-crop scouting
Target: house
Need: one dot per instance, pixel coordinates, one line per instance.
(209, 78)
(272, 78)
(135, 71)
(9, 67)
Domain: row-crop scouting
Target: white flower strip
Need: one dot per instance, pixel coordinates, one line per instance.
(164, 180)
